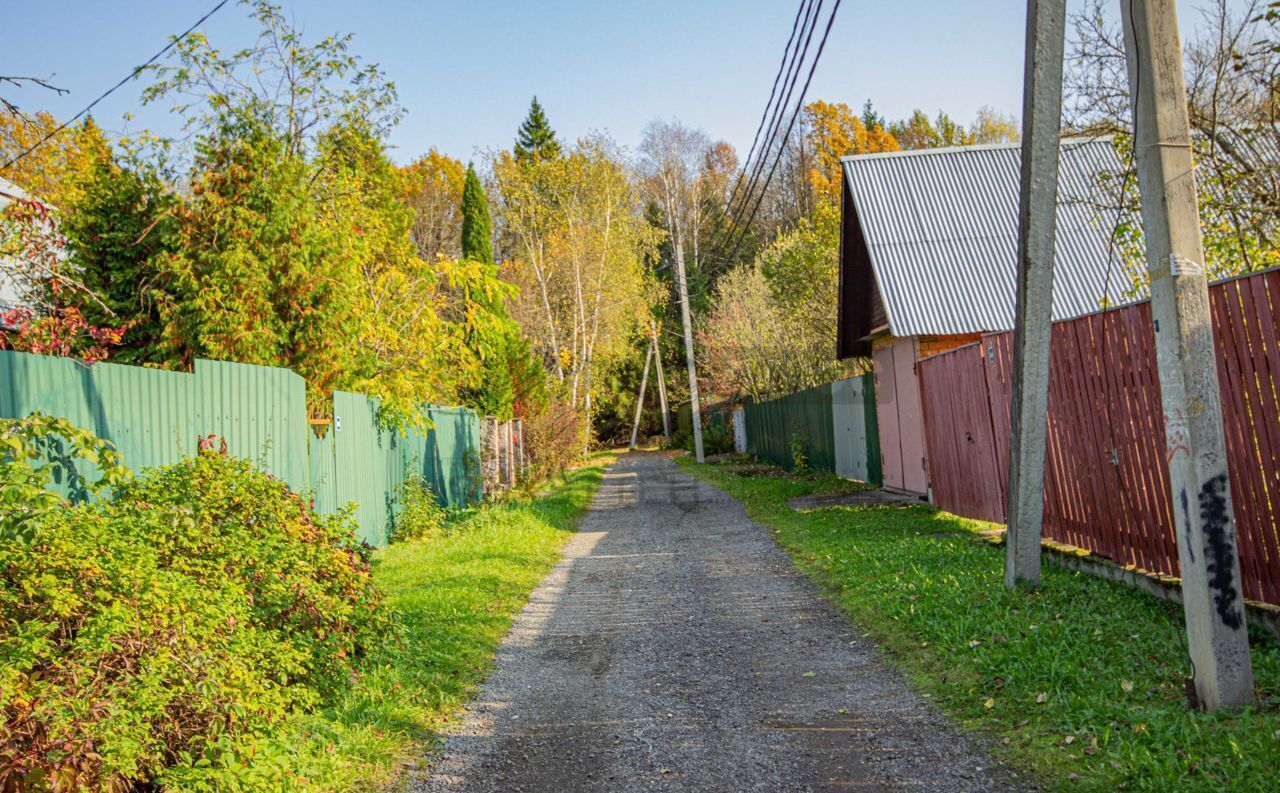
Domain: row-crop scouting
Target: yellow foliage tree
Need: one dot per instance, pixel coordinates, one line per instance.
(833, 131)
(55, 171)
(432, 188)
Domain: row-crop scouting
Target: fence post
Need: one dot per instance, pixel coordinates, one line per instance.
(740, 430)
(510, 435)
(489, 452)
(518, 435)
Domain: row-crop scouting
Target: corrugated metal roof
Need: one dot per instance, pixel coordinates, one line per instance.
(941, 226)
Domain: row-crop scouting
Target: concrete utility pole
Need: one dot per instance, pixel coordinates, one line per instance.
(644, 382)
(696, 412)
(1195, 446)
(1033, 326)
(662, 383)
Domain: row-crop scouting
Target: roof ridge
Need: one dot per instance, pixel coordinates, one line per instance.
(1062, 143)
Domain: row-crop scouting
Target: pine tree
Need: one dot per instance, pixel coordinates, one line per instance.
(477, 228)
(870, 118)
(536, 139)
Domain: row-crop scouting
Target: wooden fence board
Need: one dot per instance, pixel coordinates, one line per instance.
(1107, 480)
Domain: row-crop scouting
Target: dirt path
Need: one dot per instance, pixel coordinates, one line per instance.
(675, 648)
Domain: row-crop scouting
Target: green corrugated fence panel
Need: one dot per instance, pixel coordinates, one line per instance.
(261, 413)
(361, 454)
(151, 416)
(323, 466)
(804, 415)
(875, 474)
(156, 417)
(454, 462)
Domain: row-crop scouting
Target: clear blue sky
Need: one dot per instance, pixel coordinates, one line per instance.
(466, 69)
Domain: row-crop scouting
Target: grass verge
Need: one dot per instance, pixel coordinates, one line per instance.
(454, 597)
(1080, 682)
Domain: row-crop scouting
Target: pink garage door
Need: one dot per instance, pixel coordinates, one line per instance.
(900, 417)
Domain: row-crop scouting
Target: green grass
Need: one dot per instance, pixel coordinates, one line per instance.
(454, 597)
(1080, 682)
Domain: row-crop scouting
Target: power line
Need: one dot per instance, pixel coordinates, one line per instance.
(810, 23)
(782, 65)
(793, 75)
(795, 114)
(172, 43)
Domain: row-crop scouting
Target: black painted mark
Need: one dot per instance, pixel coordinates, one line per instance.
(1219, 551)
(1186, 523)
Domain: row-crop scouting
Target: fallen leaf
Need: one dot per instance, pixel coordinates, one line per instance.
(990, 703)
(1127, 685)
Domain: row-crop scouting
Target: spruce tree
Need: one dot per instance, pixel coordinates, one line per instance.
(535, 139)
(477, 228)
(870, 118)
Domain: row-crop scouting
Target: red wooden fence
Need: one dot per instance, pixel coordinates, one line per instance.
(1106, 475)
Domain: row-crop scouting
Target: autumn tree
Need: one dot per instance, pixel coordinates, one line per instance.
(757, 342)
(36, 264)
(119, 227)
(297, 88)
(535, 139)
(54, 171)
(577, 240)
(832, 131)
(992, 126)
(432, 188)
(295, 246)
(919, 132)
(1232, 68)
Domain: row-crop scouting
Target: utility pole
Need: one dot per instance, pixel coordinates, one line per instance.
(695, 411)
(644, 382)
(1195, 446)
(1033, 324)
(662, 383)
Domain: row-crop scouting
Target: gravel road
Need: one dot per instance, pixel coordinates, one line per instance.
(675, 648)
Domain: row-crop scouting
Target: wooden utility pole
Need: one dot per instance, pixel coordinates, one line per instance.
(662, 383)
(1033, 323)
(1195, 446)
(695, 411)
(644, 382)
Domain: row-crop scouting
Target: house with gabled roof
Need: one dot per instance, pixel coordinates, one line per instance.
(928, 262)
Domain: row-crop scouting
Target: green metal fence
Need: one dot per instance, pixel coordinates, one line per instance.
(833, 425)
(157, 417)
(804, 417)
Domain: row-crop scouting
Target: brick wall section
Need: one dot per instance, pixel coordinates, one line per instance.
(929, 346)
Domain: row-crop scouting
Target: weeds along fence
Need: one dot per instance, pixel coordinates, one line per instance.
(1106, 477)
(156, 417)
(832, 426)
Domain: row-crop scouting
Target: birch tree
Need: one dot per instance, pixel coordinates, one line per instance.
(576, 239)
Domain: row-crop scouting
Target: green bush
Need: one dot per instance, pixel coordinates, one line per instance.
(799, 457)
(420, 512)
(717, 439)
(149, 635)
